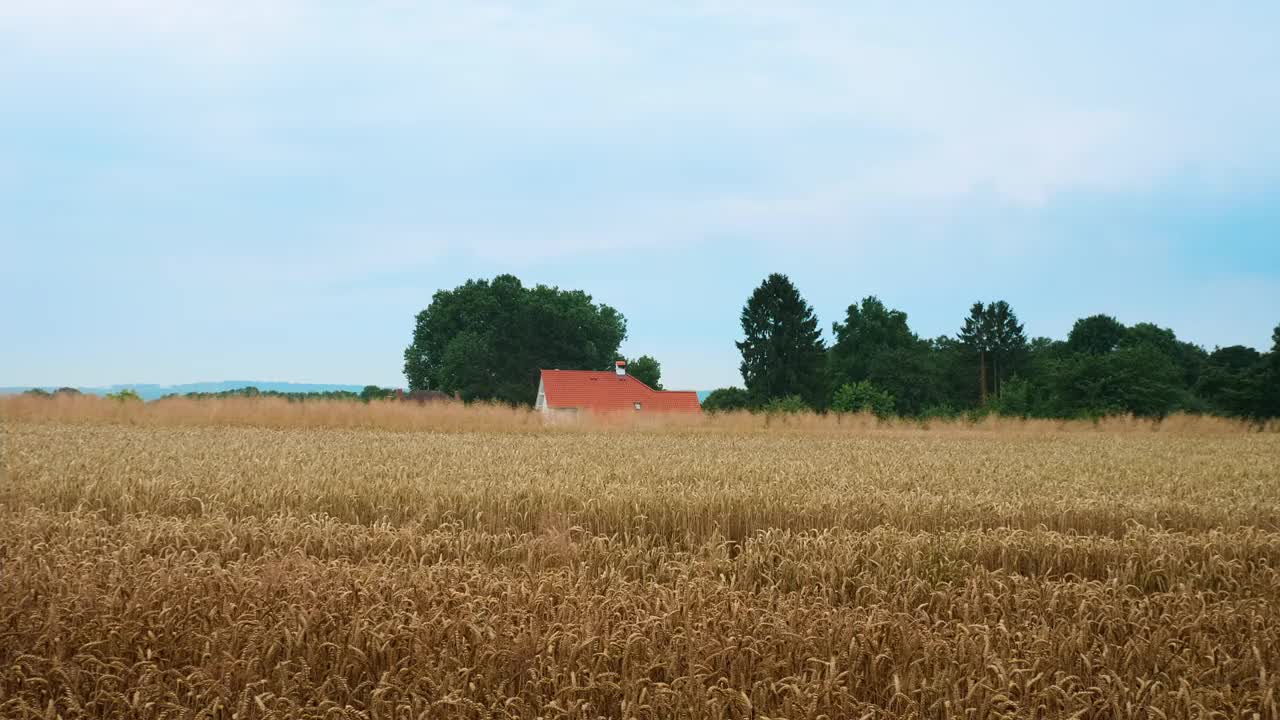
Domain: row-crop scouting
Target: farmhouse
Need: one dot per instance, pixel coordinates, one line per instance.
(565, 392)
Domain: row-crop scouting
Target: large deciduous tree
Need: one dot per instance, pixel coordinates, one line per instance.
(782, 348)
(1105, 367)
(875, 344)
(1138, 380)
(869, 330)
(488, 339)
(1234, 381)
(1096, 335)
(1191, 358)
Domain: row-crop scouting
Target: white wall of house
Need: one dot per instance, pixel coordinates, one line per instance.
(541, 403)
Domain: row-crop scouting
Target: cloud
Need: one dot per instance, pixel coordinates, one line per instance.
(847, 118)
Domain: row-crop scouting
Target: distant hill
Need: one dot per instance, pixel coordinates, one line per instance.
(153, 392)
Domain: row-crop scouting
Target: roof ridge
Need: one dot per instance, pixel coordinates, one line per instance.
(611, 373)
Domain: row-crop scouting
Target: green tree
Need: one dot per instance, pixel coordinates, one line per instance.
(727, 400)
(951, 361)
(125, 395)
(788, 405)
(912, 376)
(1038, 394)
(1139, 380)
(38, 392)
(1236, 358)
(647, 370)
(488, 339)
(863, 396)
(1096, 334)
(1189, 357)
(869, 329)
(975, 335)
(373, 392)
(782, 351)
(875, 344)
(1007, 344)
(1015, 398)
(1233, 382)
(993, 333)
(472, 367)
(1270, 404)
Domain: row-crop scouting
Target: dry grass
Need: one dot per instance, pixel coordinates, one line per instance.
(268, 412)
(207, 563)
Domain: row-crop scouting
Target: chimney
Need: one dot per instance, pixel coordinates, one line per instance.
(620, 367)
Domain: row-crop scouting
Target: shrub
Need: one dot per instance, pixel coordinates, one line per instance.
(787, 405)
(727, 400)
(373, 392)
(863, 396)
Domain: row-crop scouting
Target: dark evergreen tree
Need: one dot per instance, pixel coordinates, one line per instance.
(1006, 341)
(975, 335)
(782, 348)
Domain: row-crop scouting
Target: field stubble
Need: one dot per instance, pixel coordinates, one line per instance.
(193, 570)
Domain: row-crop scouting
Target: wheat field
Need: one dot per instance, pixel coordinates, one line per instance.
(233, 560)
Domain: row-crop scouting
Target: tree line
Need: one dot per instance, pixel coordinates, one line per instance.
(486, 340)
(122, 395)
(876, 363)
(370, 392)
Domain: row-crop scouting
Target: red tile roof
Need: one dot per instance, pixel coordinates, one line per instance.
(603, 392)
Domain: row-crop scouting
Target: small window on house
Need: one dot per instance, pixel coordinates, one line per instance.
(637, 406)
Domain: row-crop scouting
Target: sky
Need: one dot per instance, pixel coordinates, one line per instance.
(272, 189)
